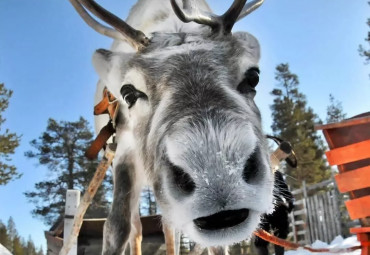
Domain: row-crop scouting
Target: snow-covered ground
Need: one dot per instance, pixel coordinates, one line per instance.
(337, 243)
(4, 251)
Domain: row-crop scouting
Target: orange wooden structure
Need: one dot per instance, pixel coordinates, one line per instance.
(349, 143)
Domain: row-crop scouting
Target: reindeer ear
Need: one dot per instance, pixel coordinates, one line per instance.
(111, 68)
(102, 62)
(250, 44)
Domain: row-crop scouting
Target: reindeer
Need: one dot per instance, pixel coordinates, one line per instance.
(187, 122)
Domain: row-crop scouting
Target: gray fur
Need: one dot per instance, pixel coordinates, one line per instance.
(195, 119)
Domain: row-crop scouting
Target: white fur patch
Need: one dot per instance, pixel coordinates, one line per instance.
(156, 130)
(227, 138)
(135, 77)
(181, 49)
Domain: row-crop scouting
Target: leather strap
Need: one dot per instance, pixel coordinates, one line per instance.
(100, 141)
(108, 105)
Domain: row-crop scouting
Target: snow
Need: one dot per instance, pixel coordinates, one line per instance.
(4, 251)
(337, 243)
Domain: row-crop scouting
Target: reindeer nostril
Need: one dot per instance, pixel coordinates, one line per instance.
(251, 167)
(182, 180)
(223, 219)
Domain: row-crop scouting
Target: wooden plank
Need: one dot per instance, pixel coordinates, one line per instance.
(326, 222)
(338, 225)
(349, 153)
(359, 208)
(344, 123)
(360, 230)
(353, 180)
(94, 184)
(324, 218)
(54, 244)
(333, 214)
(305, 218)
(314, 217)
(310, 217)
(302, 242)
(296, 191)
(299, 212)
(299, 222)
(330, 216)
(293, 227)
(72, 202)
(319, 185)
(301, 232)
(320, 218)
(353, 224)
(299, 202)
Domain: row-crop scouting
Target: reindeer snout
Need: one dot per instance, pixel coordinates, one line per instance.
(223, 219)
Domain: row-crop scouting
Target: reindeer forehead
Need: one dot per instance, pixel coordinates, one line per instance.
(190, 55)
(164, 46)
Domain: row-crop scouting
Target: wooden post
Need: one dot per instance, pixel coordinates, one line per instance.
(169, 236)
(87, 198)
(307, 234)
(72, 202)
(336, 207)
(294, 230)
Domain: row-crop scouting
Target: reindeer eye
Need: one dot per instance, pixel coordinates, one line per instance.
(130, 94)
(250, 81)
(251, 168)
(253, 76)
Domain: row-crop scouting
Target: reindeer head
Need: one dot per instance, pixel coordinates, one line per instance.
(188, 100)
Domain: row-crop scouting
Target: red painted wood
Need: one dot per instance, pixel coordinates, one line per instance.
(359, 207)
(349, 153)
(360, 230)
(353, 180)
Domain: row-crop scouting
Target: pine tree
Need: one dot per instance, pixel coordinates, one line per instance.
(18, 246)
(148, 205)
(40, 251)
(294, 121)
(12, 234)
(4, 238)
(30, 247)
(61, 148)
(8, 141)
(334, 111)
(10, 239)
(364, 51)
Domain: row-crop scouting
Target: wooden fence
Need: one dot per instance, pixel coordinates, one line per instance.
(317, 214)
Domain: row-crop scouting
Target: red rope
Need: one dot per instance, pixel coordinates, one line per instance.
(289, 245)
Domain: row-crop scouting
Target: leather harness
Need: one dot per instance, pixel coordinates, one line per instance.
(108, 105)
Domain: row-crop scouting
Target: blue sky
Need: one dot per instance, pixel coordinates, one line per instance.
(45, 58)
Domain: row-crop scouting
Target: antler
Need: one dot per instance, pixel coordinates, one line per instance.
(250, 7)
(122, 31)
(219, 24)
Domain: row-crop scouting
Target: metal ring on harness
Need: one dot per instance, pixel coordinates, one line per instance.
(284, 145)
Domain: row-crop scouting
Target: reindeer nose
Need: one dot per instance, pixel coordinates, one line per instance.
(223, 219)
